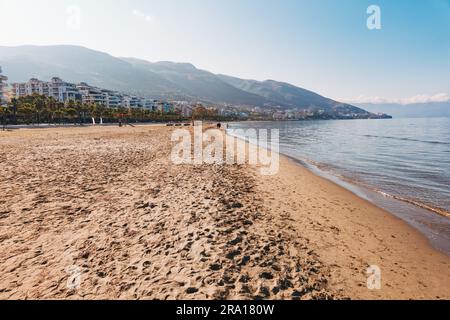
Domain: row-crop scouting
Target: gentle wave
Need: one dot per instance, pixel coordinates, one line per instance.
(407, 139)
(328, 169)
(439, 211)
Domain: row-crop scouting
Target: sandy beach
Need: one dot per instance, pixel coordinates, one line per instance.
(105, 209)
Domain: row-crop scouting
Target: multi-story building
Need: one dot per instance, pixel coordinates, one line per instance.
(63, 91)
(91, 95)
(19, 90)
(131, 102)
(149, 104)
(164, 107)
(35, 86)
(112, 99)
(3, 80)
(60, 90)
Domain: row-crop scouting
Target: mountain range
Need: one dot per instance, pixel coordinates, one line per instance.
(164, 80)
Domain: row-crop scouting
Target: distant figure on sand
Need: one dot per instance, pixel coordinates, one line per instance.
(219, 126)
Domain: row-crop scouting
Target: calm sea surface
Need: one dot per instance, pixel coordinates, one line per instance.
(403, 165)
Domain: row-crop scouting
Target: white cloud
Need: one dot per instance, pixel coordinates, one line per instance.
(142, 15)
(422, 98)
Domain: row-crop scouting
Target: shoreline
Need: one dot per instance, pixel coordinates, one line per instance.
(309, 163)
(408, 211)
(403, 209)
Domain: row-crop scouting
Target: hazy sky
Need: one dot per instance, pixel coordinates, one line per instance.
(321, 45)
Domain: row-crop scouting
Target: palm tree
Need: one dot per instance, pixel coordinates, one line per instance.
(134, 114)
(70, 108)
(79, 108)
(85, 109)
(101, 111)
(29, 110)
(14, 106)
(71, 113)
(51, 108)
(92, 107)
(59, 112)
(39, 103)
(4, 111)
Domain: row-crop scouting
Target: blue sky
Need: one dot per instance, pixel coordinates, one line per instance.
(321, 45)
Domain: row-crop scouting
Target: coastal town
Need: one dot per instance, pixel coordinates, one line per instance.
(63, 92)
(79, 98)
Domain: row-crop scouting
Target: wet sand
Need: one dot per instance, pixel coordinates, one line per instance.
(106, 209)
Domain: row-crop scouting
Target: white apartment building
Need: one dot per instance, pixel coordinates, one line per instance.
(112, 99)
(91, 95)
(18, 90)
(149, 104)
(63, 91)
(56, 88)
(36, 86)
(131, 102)
(3, 80)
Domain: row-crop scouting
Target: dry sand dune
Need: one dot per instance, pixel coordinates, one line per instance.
(108, 202)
